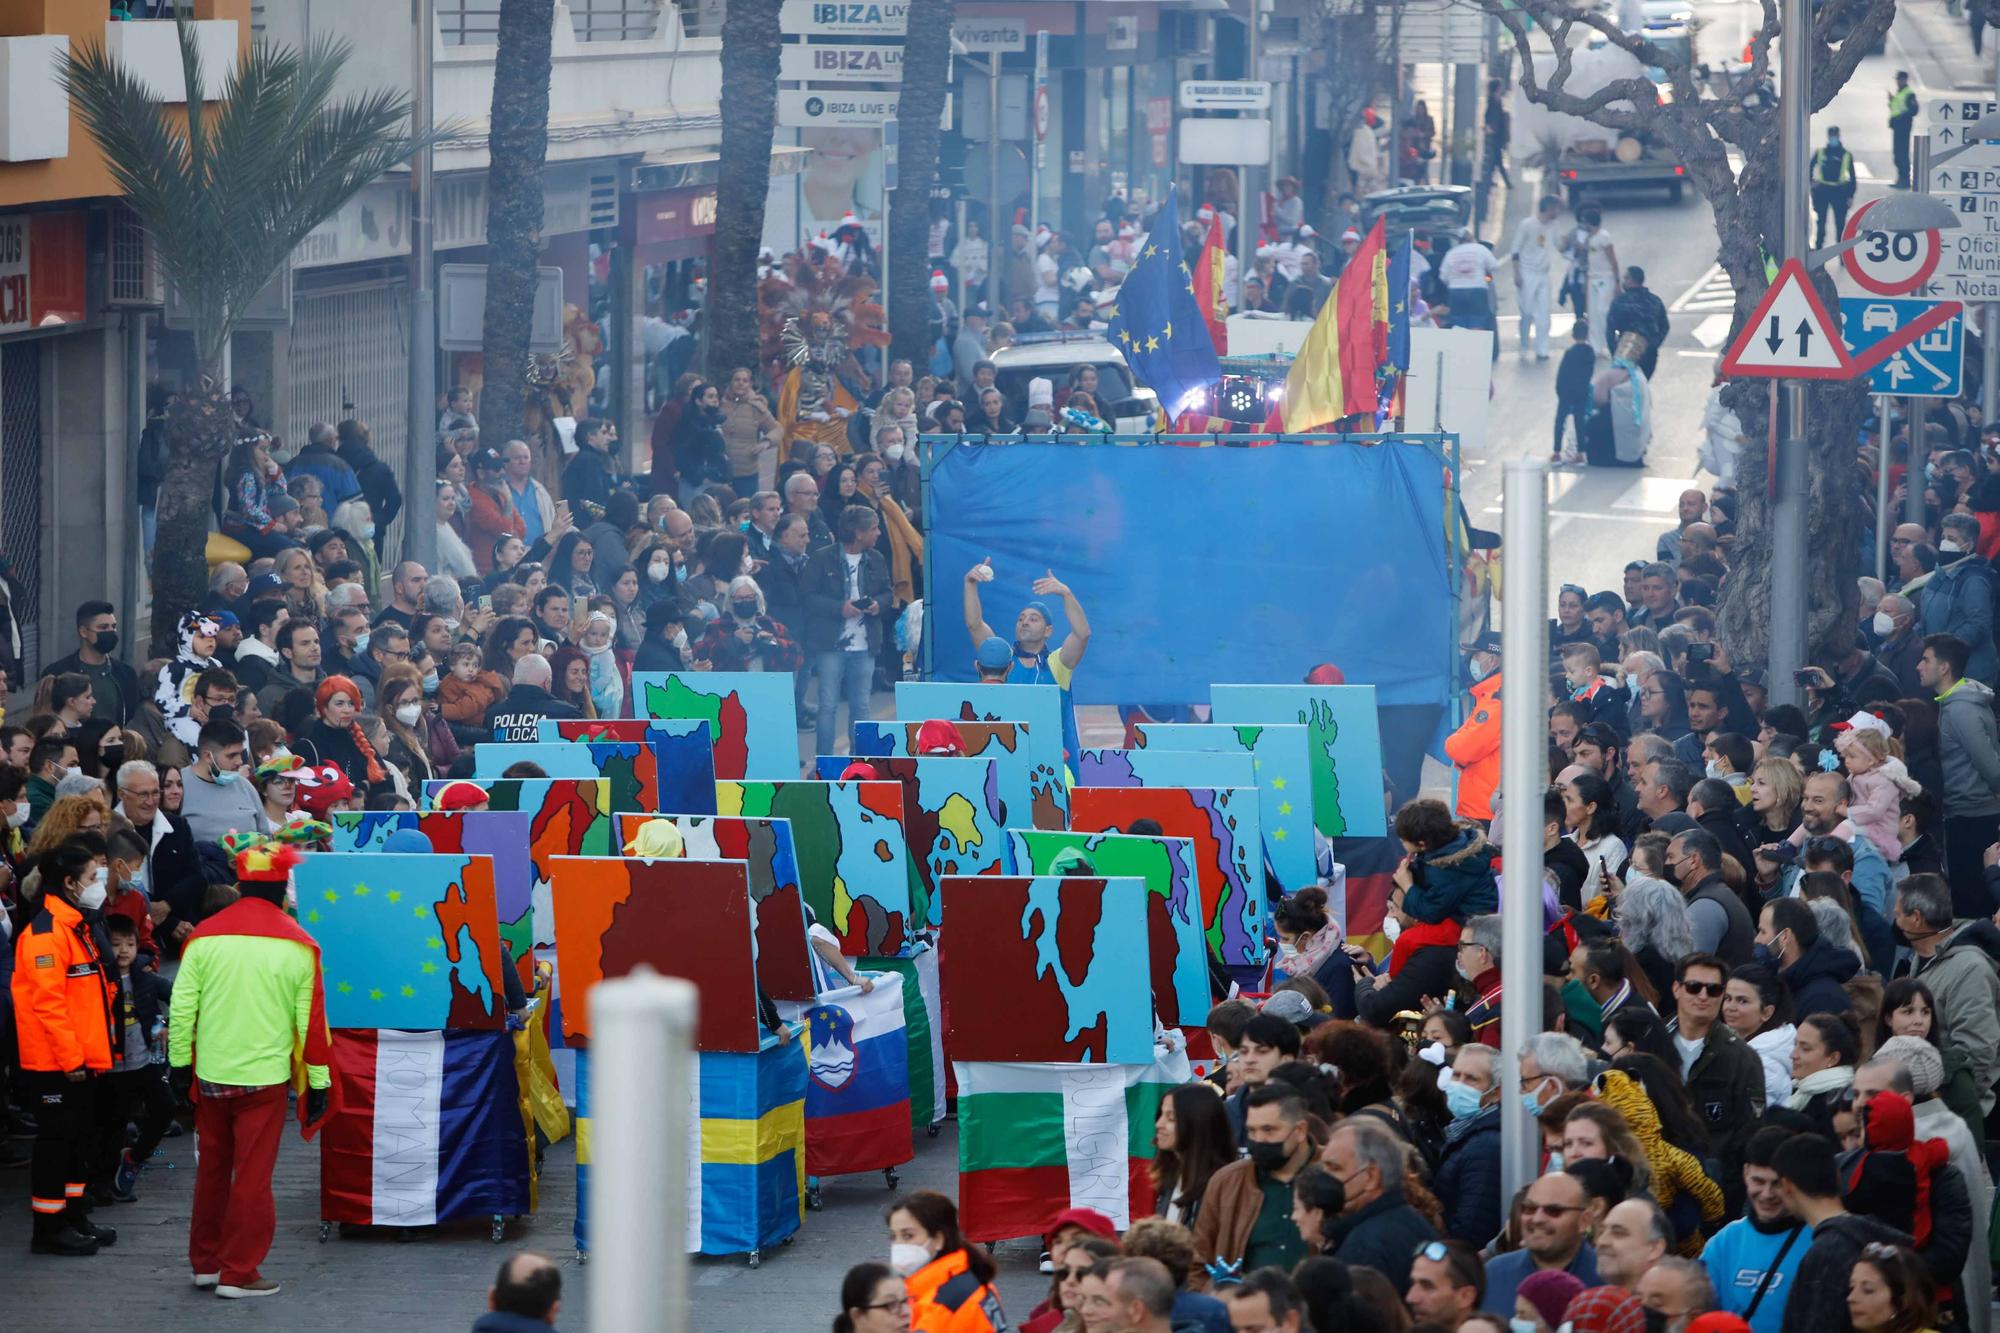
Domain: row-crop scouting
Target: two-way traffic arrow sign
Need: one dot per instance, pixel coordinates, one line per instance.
(1789, 335)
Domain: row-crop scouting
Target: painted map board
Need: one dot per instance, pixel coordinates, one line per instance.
(632, 768)
(1040, 706)
(1284, 784)
(1039, 968)
(1175, 944)
(686, 919)
(784, 959)
(686, 755)
(1013, 745)
(1343, 741)
(568, 817)
(1228, 852)
(957, 812)
(502, 835)
(406, 941)
(853, 853)
(750, 714)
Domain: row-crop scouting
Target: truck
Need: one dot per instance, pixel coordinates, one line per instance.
(1589, 157)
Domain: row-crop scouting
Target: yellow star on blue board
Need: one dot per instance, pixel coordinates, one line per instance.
(345, 988)
(418, 912)
(312, 917)
(1284, 807)
(395, 895)
(1278, 784)
(331, 896)
(429, 967)
(374, 994)
(1280, 833)
(409, 991)
(433, 942)
(362, 890)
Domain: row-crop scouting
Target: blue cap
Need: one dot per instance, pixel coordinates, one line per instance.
(408, 840)
(995, 653)
(1043, 608)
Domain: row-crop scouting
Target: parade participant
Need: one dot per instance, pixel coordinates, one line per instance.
(63, 993)
(248, 1023)
(1536, 241)
(1033, 663)
(1467, 272)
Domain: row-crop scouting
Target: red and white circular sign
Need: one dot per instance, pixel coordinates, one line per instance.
(1889, 263)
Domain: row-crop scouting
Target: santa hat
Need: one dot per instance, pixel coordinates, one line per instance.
(939, 283)
(859, 772)
(940, 736)
(459, 795)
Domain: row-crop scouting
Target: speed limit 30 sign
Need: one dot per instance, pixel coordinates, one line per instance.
(1889, 263)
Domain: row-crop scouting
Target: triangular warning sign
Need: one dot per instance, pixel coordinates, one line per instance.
(1790, 336)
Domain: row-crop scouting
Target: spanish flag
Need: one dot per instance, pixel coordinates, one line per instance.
(1208, 284)
(1333, 376)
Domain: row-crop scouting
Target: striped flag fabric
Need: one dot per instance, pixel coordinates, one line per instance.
(921, 1030)
(857, 1080)
(427, 1128)
(1208, 278)
(1034, 1139)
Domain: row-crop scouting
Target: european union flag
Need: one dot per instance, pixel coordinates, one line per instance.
(1159, 326)
(1399, 305)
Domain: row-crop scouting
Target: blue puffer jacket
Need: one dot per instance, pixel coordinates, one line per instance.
(1468, 1179)
(1815, 980)
(1455, 881)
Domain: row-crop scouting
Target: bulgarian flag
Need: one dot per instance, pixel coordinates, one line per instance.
(1208, 276)
(1034, 1139)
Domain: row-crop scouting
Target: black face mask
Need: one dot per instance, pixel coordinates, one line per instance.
(113, 757)
(744, 610)
(1269, 1156)
(105, 641)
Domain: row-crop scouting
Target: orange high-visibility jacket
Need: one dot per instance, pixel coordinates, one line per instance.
(62, 995)
(1475, 748)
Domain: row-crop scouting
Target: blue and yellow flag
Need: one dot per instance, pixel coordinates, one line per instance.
(1159, 325)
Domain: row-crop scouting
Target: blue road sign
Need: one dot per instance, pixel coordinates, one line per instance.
(1933, 366)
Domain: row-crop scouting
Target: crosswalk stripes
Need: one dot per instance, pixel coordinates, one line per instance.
(1711, 292)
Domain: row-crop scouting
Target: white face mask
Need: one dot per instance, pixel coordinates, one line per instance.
(680, 639)
(1949, 546)
(893, 452)
(905, 1259)
(1884, 624)
(18, 816)
(407, 714)
(658, 571)
(1391, 928)
(1480, 670)
(94, 891)
(1714, 770)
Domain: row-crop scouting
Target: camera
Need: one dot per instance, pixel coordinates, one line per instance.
(1807, 676)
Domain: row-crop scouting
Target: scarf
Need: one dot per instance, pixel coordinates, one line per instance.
(906, 544)
(256, 917)
(1417, 936)
(1812, 1085)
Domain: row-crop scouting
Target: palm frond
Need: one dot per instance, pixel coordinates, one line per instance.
(228, 198)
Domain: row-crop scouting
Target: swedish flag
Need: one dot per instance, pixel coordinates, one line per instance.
(1159, 325)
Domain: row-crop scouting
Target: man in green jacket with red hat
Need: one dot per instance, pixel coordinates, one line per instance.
(248, 1023)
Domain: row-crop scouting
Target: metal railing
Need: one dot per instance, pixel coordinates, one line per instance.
(477, 22)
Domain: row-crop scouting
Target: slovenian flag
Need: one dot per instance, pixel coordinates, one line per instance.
(1034, 1139)
(427, 1129)
(857, 1080)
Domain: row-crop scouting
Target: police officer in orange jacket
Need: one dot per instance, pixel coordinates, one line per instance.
(62, 993)
(1475, 747)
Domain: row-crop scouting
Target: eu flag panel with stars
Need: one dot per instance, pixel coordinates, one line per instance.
(405, 941)
(1159, 324)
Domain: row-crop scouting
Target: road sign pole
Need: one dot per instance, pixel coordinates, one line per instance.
(1882, 522)
(1040, 113)
(1913, 418)
(1788, 516)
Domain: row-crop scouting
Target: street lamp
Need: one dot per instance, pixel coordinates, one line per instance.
(1906, 210)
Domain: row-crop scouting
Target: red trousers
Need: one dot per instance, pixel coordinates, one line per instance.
(236, 1147)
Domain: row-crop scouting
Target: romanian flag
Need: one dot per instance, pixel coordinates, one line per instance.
(428, 1129)
(1208, 274)
(1034, 1139)
(857, 1080)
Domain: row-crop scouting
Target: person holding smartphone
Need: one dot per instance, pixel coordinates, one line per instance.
(845, 589)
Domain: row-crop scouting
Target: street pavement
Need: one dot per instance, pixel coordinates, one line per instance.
(438, 1279)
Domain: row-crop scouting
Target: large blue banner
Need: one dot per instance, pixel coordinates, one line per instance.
(1200, 564)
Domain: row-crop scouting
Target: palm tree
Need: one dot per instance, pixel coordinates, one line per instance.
(743, 182)
(926, 58)
(518, 144)
(227, 198)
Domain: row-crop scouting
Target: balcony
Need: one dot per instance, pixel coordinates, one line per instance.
(152, 51)
(32, 128)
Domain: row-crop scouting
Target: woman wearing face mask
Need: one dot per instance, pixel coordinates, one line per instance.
(1304, 940)
(745, 638)
(927, 1250)
(666, 647)
(660, 578)
(749, 433)
(63, 995)
(100, 747)
(1318, 1198)
(700, 452)
(355, 519)
(400, 698)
